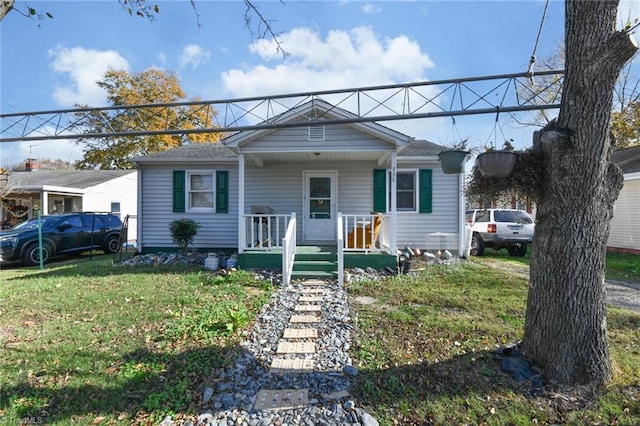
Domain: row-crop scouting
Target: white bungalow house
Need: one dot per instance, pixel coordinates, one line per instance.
(624, 235)
(342, 194)
(65, 191)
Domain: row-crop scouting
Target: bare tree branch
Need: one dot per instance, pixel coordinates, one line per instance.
(264, 30)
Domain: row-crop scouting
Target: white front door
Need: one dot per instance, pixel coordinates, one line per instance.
(319, 206)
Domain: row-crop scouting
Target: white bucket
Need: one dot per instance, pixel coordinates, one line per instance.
(232, 262)
(211, 262)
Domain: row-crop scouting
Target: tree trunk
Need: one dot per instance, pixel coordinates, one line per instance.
(565, 326)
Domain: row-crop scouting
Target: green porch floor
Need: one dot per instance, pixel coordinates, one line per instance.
(321, 254)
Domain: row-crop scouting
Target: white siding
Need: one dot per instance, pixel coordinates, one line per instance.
(217, 229)
(279, 185)
(123, 190)
(625, 232)
(414, 227)
(337, 138)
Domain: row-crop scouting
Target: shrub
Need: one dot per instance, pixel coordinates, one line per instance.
(183, 231)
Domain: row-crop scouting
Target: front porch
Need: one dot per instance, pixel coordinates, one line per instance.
(270, 241)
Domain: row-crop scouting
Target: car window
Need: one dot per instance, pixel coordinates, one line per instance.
(74, 221)
(482, 216)
(517, 216)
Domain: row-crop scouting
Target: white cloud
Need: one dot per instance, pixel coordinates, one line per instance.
(370, 8)
(341, 60)
(193, 55)
(83, 68)
(162, 58)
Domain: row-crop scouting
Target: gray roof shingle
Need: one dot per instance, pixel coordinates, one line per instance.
(79, 179)
(628, 159)
(209, 150)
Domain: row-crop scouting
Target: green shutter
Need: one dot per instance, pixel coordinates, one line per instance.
(178, 191)
(380, 190)
(222, 191)
(426, 190)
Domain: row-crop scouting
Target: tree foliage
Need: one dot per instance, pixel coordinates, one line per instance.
(153, 86)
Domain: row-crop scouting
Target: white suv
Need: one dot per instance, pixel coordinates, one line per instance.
(500, 228)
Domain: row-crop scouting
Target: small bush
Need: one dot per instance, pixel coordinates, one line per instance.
(183, 232)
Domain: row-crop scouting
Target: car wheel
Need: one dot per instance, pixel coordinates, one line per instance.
(477, 246)
(31, 256)
(517, 249)
(111, 245)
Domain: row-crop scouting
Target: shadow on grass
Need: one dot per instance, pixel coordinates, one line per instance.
(134, 387)
(98, 266)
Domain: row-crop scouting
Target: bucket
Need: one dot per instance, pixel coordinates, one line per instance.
(211, 262)
(232, 262)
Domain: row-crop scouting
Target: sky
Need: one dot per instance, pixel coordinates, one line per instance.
(54, 63)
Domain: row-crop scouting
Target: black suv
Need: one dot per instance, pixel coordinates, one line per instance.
(68, 233)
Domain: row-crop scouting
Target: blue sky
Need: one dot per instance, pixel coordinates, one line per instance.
(332, 44)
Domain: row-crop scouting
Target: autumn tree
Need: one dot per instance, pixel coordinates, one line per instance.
(565, 325)
(152, 86)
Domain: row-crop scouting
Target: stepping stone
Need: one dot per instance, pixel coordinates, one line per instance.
(311, 290)
(313, 283)
(307, 319)
(288, 366)
(300, 333)
(296, 348)
(310, 299)
(307, 308)
(282, 399)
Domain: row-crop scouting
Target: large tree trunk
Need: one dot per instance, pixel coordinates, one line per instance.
(565, 327)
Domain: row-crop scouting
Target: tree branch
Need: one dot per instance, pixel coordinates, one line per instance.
(264, 29)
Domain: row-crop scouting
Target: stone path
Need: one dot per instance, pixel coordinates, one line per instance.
(294, 368)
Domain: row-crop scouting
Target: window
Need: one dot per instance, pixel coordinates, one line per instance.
(201, 191)
(200, 187)
(405, 191)
(414, 191)
(115, 208)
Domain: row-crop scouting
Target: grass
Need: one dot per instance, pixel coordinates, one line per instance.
(425, 354)
(88, 342)
(620, 266)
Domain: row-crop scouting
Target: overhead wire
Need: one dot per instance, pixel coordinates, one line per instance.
(532, 60)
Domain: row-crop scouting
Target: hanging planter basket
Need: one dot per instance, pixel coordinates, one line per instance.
(496, 163)
(452, 161)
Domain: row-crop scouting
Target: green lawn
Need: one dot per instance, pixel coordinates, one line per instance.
(620, 266)
(87, 342)
(424, 353)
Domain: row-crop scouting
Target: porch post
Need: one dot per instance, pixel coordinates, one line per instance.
(242, 236)
(44, 202)
(394, 219)
(462, 228)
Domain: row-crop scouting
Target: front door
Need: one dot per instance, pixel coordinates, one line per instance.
(319, 206)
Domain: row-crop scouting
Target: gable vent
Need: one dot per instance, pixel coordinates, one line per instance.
(316, 132)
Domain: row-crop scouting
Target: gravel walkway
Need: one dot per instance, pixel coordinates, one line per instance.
(280, 380)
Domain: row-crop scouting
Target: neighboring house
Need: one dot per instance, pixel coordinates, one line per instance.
(625, 226)
(64, 191)
(360, 190)
(503, 203)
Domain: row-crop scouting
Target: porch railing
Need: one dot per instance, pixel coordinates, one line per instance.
(340, 238)
(265, 231)
(289, 250)
(364, 232)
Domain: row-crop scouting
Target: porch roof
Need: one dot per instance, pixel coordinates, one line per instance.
(217, 152)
